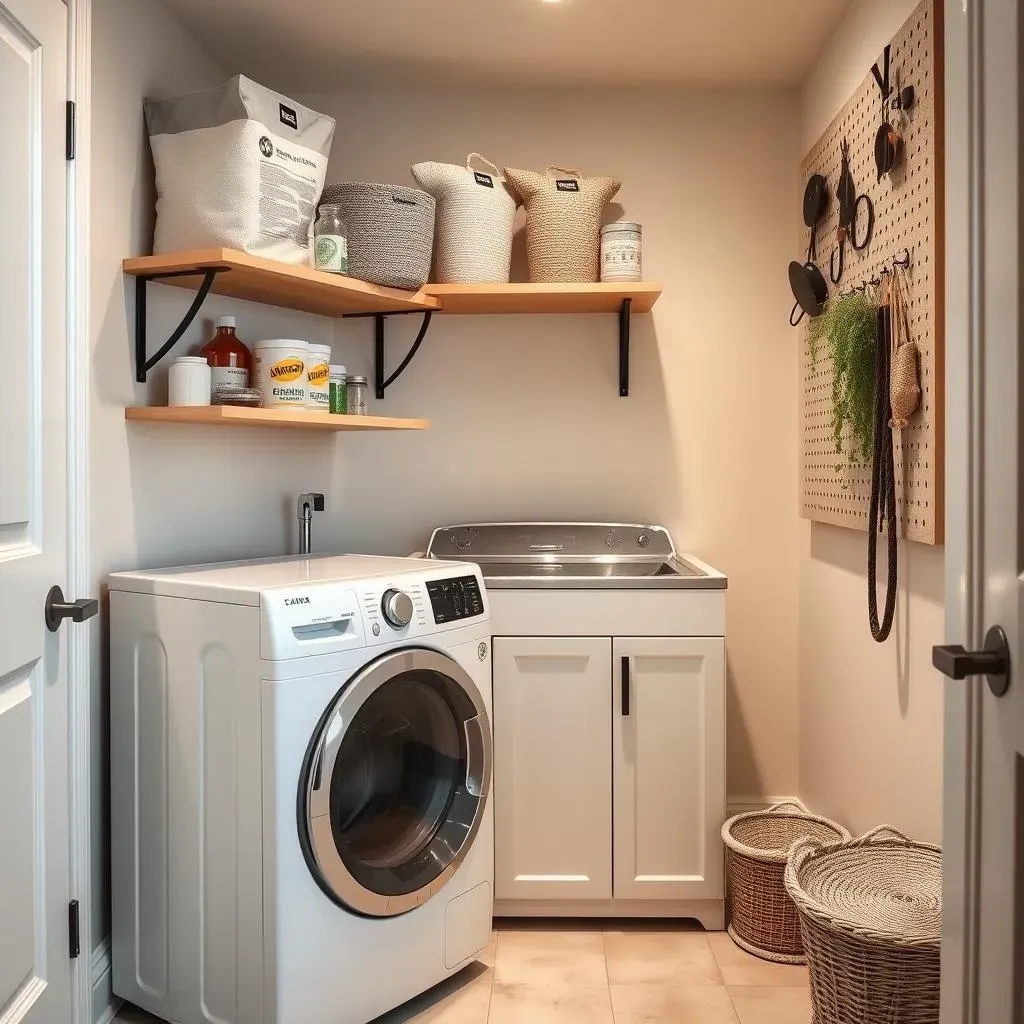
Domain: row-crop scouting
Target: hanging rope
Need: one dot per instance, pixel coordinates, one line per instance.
(883, 477)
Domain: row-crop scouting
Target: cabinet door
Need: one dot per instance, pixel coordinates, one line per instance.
(669, 742)
(552, 768)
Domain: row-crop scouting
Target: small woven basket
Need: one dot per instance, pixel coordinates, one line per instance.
(390, 232)
(871, 914)
(475, 214)
(563, 221)
(763, 919)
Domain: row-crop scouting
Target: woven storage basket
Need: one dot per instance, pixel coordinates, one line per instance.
(763, 919)
(390, 232)
(563, 221)
(475, 213)
(871, 913)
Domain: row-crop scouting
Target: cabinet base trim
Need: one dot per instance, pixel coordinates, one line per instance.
(710, 913)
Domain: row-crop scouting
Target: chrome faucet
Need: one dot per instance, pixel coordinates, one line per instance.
(308, 504)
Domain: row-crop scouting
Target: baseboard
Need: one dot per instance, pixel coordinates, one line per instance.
(742, 803)
(104, 1003)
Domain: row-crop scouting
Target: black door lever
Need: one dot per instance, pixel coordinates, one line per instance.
(56, 609)
(993, 661)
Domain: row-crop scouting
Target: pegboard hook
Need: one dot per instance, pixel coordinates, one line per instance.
(903, 262)
(882, 78)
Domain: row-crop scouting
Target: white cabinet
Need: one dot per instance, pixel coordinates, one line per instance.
(669, 767)
(609, 774)
(552, 768)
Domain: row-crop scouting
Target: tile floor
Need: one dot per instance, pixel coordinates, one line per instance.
(556, 972)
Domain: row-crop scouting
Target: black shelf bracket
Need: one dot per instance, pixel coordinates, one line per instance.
(144, 362)
(624, 320)
(381, 381)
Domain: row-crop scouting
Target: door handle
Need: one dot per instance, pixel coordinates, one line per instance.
(625, 687)
(993, 661)
(56, 609)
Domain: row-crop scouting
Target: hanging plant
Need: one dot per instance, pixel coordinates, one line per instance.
(847, 326)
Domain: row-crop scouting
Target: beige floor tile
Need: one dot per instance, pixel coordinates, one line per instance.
(772, 1005)
(464, 999)
(529, 1004)
(547, 956)
(742, 968)
(660, 956)
(669, 1004)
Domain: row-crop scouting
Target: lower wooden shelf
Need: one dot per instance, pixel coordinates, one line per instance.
(288, 419)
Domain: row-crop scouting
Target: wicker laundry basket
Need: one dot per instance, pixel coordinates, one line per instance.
(475, 214)
(390, 231)
(763, 919)
(871, 913)
(563, 221)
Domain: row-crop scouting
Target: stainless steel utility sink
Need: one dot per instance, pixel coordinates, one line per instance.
(572, 556)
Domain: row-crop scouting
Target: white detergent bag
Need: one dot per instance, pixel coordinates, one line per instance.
(239, 166)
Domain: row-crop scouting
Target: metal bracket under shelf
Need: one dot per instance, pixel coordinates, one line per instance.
(624, 323)
(381, 382)
(144, 362)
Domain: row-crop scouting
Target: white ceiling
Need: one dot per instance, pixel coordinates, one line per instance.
(323, 45)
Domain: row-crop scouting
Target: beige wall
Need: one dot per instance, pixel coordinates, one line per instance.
(527, 422)
(870, 714)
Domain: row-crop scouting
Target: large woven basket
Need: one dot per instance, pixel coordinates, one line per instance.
(871, 913)
(563, 221)
(475, 214)
(763, 919)
(390, 231)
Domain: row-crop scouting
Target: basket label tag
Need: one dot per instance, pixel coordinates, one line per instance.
(567, 185)
(483, 179)
(289, 117)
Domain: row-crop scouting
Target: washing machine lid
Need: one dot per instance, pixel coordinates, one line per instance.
(395, 782)
(243, 582)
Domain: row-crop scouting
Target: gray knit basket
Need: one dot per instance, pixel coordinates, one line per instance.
(390, 231)
(871, 914)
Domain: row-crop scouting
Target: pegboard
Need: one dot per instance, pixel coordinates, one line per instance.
(908, 216)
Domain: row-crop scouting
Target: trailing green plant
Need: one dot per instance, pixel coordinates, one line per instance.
(847, 325)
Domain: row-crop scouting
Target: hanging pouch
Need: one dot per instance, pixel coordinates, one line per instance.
(904, 379)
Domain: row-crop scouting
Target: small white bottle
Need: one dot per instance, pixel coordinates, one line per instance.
(188, 381)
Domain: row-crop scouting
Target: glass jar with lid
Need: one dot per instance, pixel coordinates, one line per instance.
(357, 395)
(330, 242)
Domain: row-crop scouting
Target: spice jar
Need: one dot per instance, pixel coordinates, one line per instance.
(188, 381)
(622, 251)
(230, 361)
(357, 395)
(330, 244)
(339, 391)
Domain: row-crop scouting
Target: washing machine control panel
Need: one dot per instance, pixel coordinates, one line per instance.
(456, 598)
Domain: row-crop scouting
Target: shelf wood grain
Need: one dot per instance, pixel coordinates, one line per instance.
(482, 299)
(286, 419)
(278, 284)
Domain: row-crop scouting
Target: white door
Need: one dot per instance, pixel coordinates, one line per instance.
(552, 768)
(669, 742)
(983, 866)
(35, 971)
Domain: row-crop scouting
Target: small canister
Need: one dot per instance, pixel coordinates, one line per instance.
(188, 381)
(279, 369)
(357, 395)
(339, 391)
(622, 251)
(318, 378)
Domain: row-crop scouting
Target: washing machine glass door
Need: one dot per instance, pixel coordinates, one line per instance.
(394, 782)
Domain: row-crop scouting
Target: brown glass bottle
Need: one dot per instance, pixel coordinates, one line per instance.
(230, 361)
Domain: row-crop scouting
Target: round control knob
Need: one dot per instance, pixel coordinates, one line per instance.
(397, 608)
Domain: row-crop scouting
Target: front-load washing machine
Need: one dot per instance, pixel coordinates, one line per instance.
(300, 778)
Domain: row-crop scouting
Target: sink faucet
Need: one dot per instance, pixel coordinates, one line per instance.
(308, 504)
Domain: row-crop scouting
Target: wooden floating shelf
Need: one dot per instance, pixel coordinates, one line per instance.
(277, 284)
(288, 419)
(483, 299)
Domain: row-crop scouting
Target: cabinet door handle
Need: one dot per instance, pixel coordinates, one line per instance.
(625, 686)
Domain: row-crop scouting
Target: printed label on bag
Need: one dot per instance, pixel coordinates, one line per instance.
(567, 185)
(289, 117)
(483, 179)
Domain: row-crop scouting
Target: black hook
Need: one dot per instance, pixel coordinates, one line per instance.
(883, 78)
(902, 262)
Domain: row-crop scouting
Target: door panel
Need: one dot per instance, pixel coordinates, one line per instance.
(552, 768)
(669, 743)
(34, 823)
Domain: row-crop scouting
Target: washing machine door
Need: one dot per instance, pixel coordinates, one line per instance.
(394, 783)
